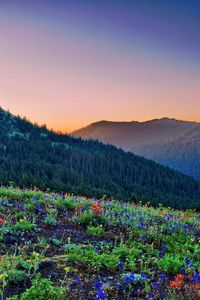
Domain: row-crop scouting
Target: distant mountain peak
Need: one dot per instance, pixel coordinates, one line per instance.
(151, 138)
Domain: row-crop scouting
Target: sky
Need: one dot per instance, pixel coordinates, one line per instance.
(70, 63)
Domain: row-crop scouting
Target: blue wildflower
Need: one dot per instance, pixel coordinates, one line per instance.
(132, 277)
(164, 246)
(120, 264)
(196, 278)
(162, 276)
(188, 262)
(101, 295)
(98, 285)
(37, 207)
(129, 277)
(150, 296)
(78, 280)
(144, 276)
(156, 285)
(143, 238)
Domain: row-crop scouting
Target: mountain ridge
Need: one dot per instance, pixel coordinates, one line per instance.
(149, 139)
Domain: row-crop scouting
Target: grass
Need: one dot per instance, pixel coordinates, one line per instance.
(55, 246)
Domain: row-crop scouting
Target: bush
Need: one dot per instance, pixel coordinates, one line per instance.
(42, 289)
(50, 220)
(15, 275)
(67, 203)
(87, 218)
(171, 264)
(24, 225)
(91, 258)
(95, 230)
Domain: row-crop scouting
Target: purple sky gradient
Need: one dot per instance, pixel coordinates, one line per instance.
(69, 63)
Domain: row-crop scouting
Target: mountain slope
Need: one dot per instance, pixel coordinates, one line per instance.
(35, 156)
(181, 153)
(163, 140)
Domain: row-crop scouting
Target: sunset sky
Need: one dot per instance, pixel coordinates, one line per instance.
(70, 63)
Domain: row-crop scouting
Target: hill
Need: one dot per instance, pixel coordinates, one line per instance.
(58, 247)
(181, 153)
(159, 139)
(34, 156)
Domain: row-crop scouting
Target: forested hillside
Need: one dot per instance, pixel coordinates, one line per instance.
(34, 156)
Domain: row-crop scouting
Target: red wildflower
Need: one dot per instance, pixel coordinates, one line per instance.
(178, 282)
(174, 284)
(97, 208)
(1, 221)
(196, 286)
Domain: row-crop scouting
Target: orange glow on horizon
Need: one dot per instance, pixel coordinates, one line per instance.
(69, 79)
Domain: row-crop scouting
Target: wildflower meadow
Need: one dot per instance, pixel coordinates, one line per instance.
(56, 246)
